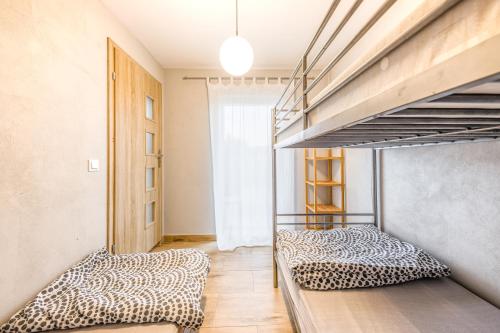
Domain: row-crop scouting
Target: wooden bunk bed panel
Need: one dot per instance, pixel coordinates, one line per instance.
(455, 53)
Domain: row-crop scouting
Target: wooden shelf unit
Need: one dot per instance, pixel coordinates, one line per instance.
(331, 206)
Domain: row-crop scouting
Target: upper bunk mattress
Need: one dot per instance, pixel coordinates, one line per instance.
(353, 257)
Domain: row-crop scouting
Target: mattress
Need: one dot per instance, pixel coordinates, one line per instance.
(427, 305)
(105, 289)
(164, 327)
(353, 257)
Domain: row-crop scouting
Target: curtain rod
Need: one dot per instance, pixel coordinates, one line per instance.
(237, 78)
(241, 78)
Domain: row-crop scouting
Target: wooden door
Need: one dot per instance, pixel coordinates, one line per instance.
(134, 182)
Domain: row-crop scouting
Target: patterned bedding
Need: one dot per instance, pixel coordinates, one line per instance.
(130, 288)
(353, 257)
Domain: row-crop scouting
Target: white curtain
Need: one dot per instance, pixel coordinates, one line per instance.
(240, 128)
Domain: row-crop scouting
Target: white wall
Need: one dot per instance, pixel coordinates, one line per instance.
(446, 199)
(359, 186)
(53, 118)
(187, 172)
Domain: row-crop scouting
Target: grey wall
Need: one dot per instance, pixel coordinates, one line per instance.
(446, 199)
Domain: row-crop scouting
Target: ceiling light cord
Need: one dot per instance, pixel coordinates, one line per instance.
(236, 17)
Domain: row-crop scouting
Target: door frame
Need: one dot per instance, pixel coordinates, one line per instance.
(111, 152)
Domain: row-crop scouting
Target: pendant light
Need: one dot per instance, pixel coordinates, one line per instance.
(236, 53)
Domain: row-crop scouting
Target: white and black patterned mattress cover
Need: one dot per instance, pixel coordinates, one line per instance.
(353, 257)
(130, 288)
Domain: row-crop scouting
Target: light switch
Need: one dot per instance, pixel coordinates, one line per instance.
(93, 165)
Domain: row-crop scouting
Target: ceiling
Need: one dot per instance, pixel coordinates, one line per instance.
(188, 33)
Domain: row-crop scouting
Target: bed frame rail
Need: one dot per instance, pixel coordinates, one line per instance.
(293, 105)
(326, 223)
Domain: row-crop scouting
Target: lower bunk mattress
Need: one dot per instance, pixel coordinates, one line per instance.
(426, 305)
(163, 288)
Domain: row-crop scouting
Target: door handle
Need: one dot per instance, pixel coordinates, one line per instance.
(159, 156)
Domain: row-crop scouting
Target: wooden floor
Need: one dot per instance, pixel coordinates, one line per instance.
(239, 296)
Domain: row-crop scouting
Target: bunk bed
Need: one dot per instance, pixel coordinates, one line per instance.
(401, 73)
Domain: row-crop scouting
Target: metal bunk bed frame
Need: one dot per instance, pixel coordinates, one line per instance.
(408, 124)
(374, 215)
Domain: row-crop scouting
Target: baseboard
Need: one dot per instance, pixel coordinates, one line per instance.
(189, 238)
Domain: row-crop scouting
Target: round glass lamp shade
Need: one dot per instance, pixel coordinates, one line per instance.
(236, 55)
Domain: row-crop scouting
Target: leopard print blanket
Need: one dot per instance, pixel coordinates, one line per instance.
(129, 288)
(353, 257)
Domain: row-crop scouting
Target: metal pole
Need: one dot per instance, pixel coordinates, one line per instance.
(375, 187)
(304, 92)
(275, 217)
(236, 17)
(325, 214)
(325, 223)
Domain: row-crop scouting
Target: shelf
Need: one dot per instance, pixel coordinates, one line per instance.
(313, 184)
(324, 183)
(322, 208)
(324, 158)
